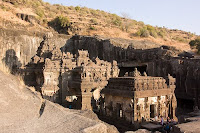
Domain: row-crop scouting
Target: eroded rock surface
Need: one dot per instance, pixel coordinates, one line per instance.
(25, 111)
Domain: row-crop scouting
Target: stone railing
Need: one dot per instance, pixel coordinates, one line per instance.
(140, 83)
(149, 83)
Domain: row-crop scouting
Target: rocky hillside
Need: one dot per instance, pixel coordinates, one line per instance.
(23, 110)
(41, 16)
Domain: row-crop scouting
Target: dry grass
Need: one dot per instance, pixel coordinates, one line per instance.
(86, 21)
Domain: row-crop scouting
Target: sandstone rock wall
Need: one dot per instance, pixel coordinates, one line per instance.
(187, 74)
(17, 47)
(108, 50)
(23, 110)
(159, 61)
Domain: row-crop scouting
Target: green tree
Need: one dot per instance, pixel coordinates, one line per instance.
(77, 8)
(60, 24)
(195, 43)
(143, 32)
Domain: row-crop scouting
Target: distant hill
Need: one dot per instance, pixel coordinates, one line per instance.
(42, 16)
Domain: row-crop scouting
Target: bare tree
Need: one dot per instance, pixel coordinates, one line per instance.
(127, 23)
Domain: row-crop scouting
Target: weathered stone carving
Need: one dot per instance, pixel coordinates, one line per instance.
(148, 98)
(67, 76)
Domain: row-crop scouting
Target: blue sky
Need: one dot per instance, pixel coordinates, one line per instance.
(174, 14)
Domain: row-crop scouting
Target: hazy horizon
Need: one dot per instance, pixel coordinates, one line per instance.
(179, 14)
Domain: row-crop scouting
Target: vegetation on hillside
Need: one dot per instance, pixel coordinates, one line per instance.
(83, 20)
(195, 44)
(60, 24)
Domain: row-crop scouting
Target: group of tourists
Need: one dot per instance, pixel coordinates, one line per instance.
(167, 126)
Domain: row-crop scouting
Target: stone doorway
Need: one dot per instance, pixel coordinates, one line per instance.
(152, 110)
(119, 111)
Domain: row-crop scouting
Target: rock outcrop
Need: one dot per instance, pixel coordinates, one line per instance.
(23, 110)
(191, 124)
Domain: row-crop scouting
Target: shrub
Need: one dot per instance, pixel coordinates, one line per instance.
(40, 12)
(84, 11)
(71, 8)
(150, 28)
(94, 21)
(116, 20)
(143, 32)
(153, 33)
(60, 24)
(161, 34)
(62, 21)
(195, 42)
(92, 28)
(77, 8)
(179, 39)
(36, 4)
(94, 12)
(60, 8)
(126, 25)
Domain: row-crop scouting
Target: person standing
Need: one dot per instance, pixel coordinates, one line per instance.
(162, 121)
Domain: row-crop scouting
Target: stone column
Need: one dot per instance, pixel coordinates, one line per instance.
(174, 106)
(86, 101)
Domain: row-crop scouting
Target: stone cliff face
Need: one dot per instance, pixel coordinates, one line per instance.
(187, 73)
(17, 47)
(155, 60)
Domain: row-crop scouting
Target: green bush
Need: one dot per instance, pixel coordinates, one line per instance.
(150, 28)
(77, 8)
(62, 21)
(116, 20)
(143, 32)
(153, 33)
(92, 28)
(40, 12)
(195, 42)
(60, 24)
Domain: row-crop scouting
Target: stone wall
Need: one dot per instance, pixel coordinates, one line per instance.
(17, 47)
(106, 50)
(187, 74)
(159, 61)
(145, 99)
(18, 44)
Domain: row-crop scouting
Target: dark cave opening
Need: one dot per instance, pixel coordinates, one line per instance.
(186, 104)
